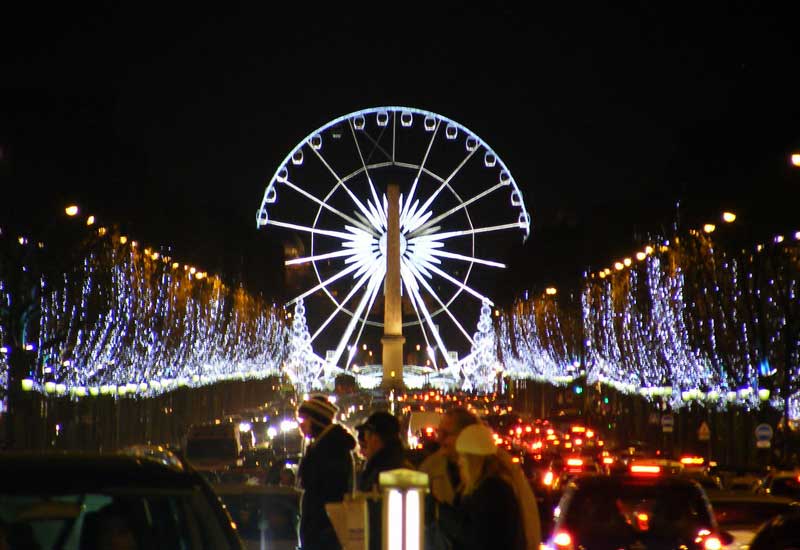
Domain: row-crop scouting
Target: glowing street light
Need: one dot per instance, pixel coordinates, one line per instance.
(795, 159)
(709, 227)
(641, 256)
(619, 266)
(728, 217)
(550, 291)
(403, 508)
(627, 262)
(71, 210)
(90, 220)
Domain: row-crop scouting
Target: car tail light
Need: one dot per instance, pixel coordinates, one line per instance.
(562, 540)
(574, 462)
(515, 459)
(608, 460)
(645, 469)
(548, 478)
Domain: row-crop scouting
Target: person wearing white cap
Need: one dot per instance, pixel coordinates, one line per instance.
(325, 473)
(487, 513)
(443, 471)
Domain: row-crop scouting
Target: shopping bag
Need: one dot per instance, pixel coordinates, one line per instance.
(349, 519)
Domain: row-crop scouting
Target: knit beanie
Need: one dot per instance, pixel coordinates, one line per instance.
(318, 409)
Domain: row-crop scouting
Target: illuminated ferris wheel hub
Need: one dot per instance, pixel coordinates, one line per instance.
(457, 194)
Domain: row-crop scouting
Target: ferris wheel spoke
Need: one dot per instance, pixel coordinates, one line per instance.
(455, 209)
(404, 212)
(474, 231)
(454, 256)
(380, 275)
(339, 181)
(353, 320)
(318, 257)
(446, 182)
(326, 282)
(327, 206)
(419, 318)
(366, 171)
(459, 284)
(340, 306)
(435, 296)
(431, 325)
(314, 230)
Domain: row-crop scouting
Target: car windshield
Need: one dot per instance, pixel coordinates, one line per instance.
(654, 509)
(158, 518)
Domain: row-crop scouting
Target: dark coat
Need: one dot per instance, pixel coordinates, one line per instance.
(487, 519)
(390, 457)
(325, 475)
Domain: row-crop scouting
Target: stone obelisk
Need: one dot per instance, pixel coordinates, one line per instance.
(393, 339)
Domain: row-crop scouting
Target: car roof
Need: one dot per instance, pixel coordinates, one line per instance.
(86, 472)
(603, 481)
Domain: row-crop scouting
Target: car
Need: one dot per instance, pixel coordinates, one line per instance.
(80, 500)
(780, 533)
(741, 513)
(783, 483)
(645, 510)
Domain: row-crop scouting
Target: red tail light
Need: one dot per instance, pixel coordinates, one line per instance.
(645, 469)
(574, 462)
(608, 460)
(548, 478)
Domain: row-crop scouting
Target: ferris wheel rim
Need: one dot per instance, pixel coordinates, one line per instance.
(412, 110)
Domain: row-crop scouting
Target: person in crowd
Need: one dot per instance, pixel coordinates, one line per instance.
(383, 449)
(487, 513)
(325, 473)
(445, 478)
(361, 439)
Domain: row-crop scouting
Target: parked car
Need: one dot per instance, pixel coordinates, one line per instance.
(783, 483)
(88, 501)
(742, 513)
(647, 510)
(780, 533)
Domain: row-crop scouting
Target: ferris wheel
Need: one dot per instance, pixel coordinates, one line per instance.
(458, 199)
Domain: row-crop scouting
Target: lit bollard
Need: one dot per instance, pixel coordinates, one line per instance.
(403, 508)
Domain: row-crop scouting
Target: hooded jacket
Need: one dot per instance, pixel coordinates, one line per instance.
(325, 475)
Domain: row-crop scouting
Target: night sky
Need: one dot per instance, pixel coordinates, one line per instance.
(171, 124)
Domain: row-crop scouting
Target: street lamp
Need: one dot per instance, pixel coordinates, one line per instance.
(728, 217)
(795, 159)
(403, 508)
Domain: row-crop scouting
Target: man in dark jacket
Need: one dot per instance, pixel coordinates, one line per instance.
(384, 451)
(383, 448)
(325, 473)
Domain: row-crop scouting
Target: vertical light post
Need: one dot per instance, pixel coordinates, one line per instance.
(403, 509)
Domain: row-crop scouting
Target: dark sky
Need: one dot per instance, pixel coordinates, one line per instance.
(173, 123)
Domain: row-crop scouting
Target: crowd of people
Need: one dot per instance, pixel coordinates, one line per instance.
(478, 499)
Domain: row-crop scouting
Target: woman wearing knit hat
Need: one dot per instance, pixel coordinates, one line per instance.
(325, 473)
(486, 514)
